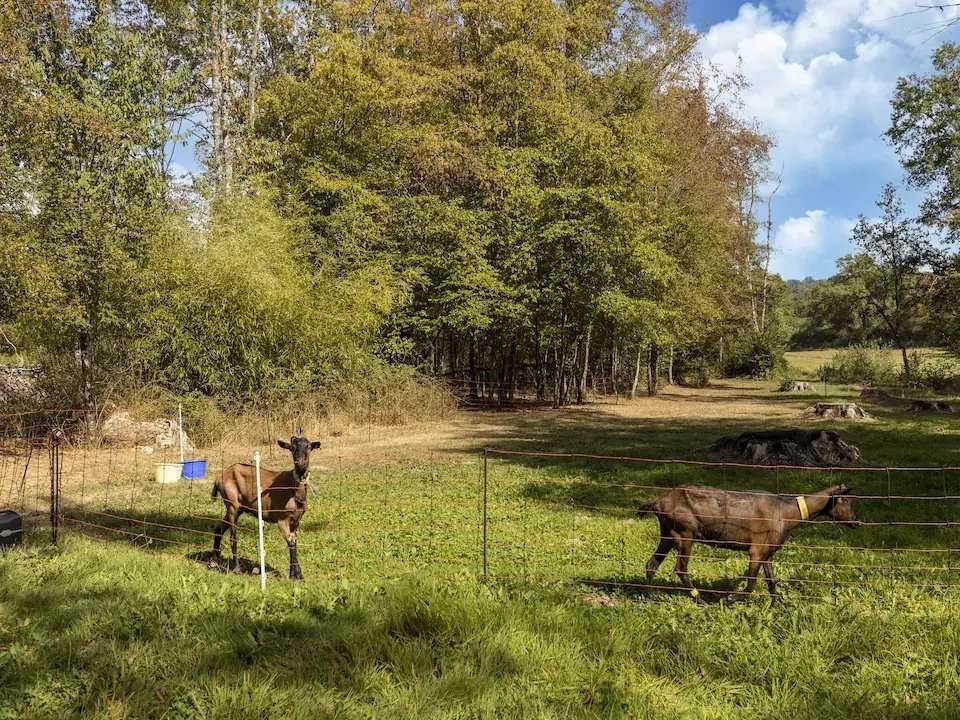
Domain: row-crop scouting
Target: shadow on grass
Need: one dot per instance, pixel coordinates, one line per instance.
(85, 639)
(164, 532)
(224, 564)
(713, 592)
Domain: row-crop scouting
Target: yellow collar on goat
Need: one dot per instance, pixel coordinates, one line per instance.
(802, 504)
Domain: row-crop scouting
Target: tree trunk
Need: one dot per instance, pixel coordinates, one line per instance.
(502, 377)
(907, 370)
(636, 374)
(86, 380)
(582, 385)
(254, 59)
(474, 394)
(614, 367)
(541, 361)
(512, 372)
(556, 376)
(653, 362)
(219, 57)
(670, 368)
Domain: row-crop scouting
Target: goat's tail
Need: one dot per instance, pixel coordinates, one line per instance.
(649, 507)
(215, 490)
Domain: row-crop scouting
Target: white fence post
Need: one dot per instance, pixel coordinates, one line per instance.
(263, 563)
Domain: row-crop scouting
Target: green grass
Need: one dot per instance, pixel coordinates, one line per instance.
(804, 363)
(393, 619)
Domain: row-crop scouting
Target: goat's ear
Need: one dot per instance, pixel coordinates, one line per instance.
(844, 490)
(315, 445)
(284, 444)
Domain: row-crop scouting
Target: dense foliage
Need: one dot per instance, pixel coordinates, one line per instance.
(521, 194)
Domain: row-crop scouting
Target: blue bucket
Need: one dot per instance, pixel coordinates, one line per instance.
(194, 469)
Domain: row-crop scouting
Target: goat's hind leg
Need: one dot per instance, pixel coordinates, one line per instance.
(775, 598)
(218, 538)
(663, 549)
(684, 545)
(232, 518)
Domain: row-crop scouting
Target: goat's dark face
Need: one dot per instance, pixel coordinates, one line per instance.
(841, 508)
(300, 448)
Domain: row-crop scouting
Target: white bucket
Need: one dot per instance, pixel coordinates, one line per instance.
(168, 472)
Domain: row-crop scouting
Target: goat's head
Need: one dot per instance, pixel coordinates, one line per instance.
(840, 507)
(300, 448)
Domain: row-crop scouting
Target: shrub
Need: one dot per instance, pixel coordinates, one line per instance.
(859, 364)
(759, 356)
(932, 373)
(693, 369)
(240, 314)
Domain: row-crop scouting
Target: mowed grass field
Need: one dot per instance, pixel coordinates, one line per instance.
(805, 363)
(129, 618)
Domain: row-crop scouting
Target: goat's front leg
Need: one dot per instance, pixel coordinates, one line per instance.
(663, 549)
(775, 598)
(752, 571)
(291, 537)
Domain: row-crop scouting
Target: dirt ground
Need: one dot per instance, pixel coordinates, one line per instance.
(679, 423)
(467, 432)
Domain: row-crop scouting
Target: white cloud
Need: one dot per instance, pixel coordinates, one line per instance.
(820, 85)
(803, 244)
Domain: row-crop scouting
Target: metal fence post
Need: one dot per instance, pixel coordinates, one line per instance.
(56, 461)
(486, 566)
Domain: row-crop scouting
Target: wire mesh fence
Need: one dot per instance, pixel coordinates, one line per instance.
(515, 515)
(574, 516)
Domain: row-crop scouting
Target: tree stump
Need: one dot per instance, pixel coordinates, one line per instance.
(810, 448)
(796, 386)
(847, 411)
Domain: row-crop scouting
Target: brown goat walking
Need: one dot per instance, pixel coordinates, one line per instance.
(754, 522)
(283, 499)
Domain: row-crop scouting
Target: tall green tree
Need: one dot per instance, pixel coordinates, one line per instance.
(925, 130)
(86, 125)
(895, 251)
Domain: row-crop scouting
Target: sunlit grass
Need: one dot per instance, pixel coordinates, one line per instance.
(804, 363)
(394, 618)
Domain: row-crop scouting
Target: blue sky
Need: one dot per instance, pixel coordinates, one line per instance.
(821, 75)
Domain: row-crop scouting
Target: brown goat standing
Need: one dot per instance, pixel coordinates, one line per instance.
(283, 499)
(755, 522)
